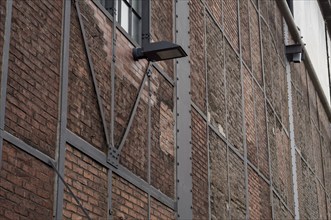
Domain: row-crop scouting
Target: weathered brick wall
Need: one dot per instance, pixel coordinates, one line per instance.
(215, 77)
(230, 18)
(259, 196)
(33, 78)
(222, 35)
(26, 186)
(219, 198)
(88, 181)
(199, 167)
(162, 136)
(197, 57)
(83, 114)
(128, 201)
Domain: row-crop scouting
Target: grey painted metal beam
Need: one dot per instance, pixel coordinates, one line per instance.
(27, 148)
(4, 70)
(134, 109)
(266, 112)
(209, 171)
(91, 66)
(183, 118)
(292, 138)
(243, 113)
(149, 130)
(63, 106)
(163, 74)
(112, 108)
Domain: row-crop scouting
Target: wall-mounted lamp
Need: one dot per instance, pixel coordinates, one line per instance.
(162, 50)
(294, 53)
(155, 51)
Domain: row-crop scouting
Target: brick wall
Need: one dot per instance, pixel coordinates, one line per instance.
(128, 201)
(197, 60)
(199, 167)
(33, 78)
(88, 181)
(26, 186)
(219, 199)
(229, 67)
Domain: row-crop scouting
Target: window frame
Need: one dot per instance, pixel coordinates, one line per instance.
(110, 5)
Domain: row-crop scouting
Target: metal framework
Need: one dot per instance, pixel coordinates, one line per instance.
(183, 116)
(183, 202)
(63, 106)
(4, 70)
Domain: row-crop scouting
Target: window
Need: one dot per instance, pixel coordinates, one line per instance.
(128, 15)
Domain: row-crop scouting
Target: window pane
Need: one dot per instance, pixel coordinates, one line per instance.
(136, 4)
(136, 28)
(125, 16)
(116, 7)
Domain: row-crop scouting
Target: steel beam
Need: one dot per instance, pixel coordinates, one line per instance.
(91, 66)
(243, 113)
(292, 138)
(27, 148)
(63, 106)
(183, 118)
(4, 70)
(266, 112)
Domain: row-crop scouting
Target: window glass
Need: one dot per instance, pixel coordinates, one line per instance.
(128, 15)
(136, 5)
(136, 28)
(125, 16)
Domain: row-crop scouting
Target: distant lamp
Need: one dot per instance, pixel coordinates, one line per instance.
(294, 53)
(157, 51)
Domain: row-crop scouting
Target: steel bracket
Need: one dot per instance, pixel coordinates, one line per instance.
(113, 157)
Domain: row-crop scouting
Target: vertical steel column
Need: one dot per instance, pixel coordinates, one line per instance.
(207, 106)
(4, 70)
(183, 118)
(112, 107)
(243, 113)
(328, 57)
(63, 105)
(292, 139)
(149, 130)
(145, 20)
(266, 111)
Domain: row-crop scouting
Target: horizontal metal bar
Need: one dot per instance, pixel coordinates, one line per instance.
(27, 148)
(282, 201)
(196, 108)
(86, 148)
(144, 186)
(123, 172)
(163, 74)
(258, 172)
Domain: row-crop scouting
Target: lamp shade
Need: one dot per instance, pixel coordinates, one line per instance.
(157, 51)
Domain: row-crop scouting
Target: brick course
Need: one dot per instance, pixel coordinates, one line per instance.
(26, 186)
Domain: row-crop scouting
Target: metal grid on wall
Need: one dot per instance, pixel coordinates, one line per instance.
(234, 154)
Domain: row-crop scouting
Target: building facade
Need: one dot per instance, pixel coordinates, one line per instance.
(234, 130)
